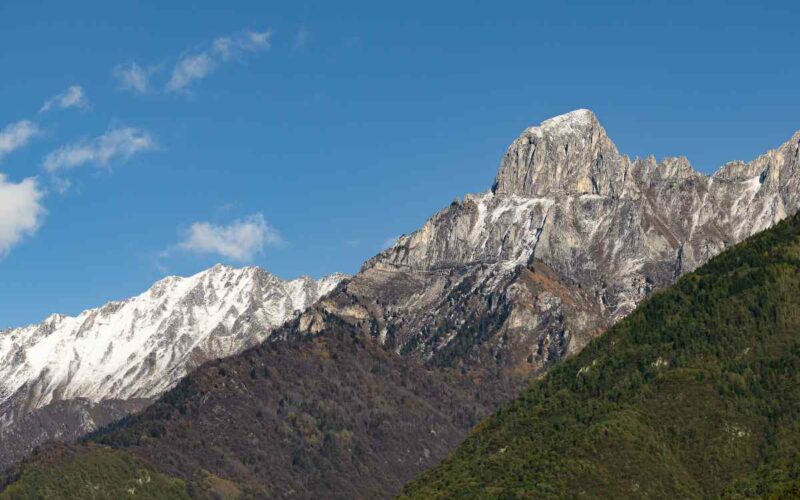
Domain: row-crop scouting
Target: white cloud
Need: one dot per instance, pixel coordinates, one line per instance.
(198, 65)
(132, 77)
(301, 38)
(223, 47)
(241, 240)
(73, 97)
(116, 145)
(189, 69)
(21, 211)
(16, 135)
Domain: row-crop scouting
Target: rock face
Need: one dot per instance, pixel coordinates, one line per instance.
(646, 411)
(135, 349)
(571, 237)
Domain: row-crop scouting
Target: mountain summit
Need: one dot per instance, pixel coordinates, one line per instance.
(566, 155)
(569, 240)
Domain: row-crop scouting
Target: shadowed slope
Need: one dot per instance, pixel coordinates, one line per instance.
(332, 416)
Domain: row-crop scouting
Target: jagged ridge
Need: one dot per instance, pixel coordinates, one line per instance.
(604, 230)
(139, 347)
(68, 375)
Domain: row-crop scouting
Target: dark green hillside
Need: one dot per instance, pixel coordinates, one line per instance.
(694, 395)
(92, 472)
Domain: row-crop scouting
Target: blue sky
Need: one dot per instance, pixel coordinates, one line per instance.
(139, 140)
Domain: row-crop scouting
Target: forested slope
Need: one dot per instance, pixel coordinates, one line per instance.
(695, 394)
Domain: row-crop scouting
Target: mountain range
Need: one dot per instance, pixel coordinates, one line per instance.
(68, 375)
(570, 238)
(381, 378)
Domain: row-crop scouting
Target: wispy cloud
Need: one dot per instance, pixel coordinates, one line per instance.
(17, 135)
(301, 38)
(240, 240)
(73, 97)
(59, 184)
(197, 65)
(21, 211)
(133, 77)
(189, 69)
(116, 145)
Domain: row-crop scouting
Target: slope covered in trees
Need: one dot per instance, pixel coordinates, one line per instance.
(696, 394)
(92, 472)
(332, 416)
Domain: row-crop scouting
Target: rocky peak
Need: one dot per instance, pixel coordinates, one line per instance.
(570, 154)
(675, 168)
(572, 236)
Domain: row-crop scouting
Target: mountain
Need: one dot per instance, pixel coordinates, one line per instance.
(694, 395)
(571, 237)
(460, 315)
(69, 375)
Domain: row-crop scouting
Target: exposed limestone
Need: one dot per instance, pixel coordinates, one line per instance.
(572, 236)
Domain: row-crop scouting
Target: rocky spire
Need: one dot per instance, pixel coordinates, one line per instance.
(568, 154)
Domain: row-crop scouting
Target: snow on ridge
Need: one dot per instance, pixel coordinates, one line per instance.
(568, 122)
(141, 346)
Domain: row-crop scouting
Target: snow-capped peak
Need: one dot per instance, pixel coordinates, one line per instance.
(141, 346)
(573, 119)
